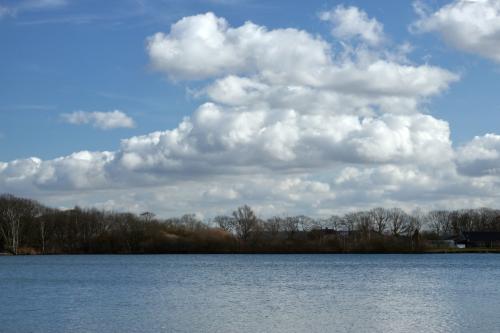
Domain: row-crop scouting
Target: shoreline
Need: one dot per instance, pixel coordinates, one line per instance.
(430, 251)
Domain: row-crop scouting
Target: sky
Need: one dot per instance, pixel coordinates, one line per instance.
(292, 107)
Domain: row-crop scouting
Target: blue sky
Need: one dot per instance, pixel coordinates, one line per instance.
(59, 57)
(90, 55)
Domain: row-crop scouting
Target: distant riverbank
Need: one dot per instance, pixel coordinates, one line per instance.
(291, 252)
(27, 227)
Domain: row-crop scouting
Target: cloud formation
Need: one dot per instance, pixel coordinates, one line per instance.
(469, 25)
(205, 46)
(102, 120)
(351, 22)
(277, 106)
(285, 123)
(481, 156)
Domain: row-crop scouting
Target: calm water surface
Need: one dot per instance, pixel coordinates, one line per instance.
(251, 293)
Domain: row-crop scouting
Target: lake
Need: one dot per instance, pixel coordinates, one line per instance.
(251, 293)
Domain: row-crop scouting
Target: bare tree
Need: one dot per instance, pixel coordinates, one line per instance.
(417, 219)
(485, 219)
(12, 211)
(305, 223)
(274, 225)
(42, 222)
(147, 216)
(413, 226)
(319, 223)
(43, 233)
(334, 222)
(191, 222)
(349, 221)
(291, 225)
(10, 226)
(439, 222)
(461, 221)
(245, 222)
(380, 217)
(397, 219)
(364, 224)
(224, 222)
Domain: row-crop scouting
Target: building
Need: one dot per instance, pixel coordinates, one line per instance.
(480, 239)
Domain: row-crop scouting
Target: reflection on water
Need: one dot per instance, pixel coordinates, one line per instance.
(251, 293)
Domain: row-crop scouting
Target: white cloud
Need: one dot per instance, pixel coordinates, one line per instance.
(82, 170)
(205, 46)
(481, 156)
(469, 25)
(101, 120)
(216, 138)
(351, 22)
(218, 193)
(285, 125)
(219, 141)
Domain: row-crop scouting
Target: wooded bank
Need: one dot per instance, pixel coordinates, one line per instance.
(27, 227)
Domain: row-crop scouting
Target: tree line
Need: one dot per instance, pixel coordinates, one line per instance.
(28, 227)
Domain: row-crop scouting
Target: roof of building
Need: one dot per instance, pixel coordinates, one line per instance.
(482, 236)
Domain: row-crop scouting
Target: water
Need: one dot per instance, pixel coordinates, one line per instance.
(250, 293)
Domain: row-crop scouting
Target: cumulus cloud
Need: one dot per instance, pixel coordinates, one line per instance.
(469, 25)
(101, 120)
(481, 156)
(285, 124)
(215, 138)
(351, 22)
(82, 170)
(281, 98)
(206, 46)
